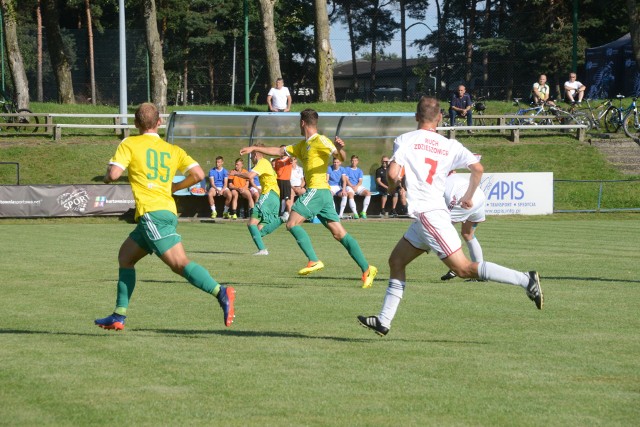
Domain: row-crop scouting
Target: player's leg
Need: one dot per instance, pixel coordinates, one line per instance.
(365, 203)
(301, 211)
(352, 202)
(468, 234)
(210, 195)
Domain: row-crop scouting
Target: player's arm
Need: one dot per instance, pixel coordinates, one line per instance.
(339, 154)
(250, 175)
(476, 170)
(113, 173)
(394, 176)
(269, 151)
(194, 176)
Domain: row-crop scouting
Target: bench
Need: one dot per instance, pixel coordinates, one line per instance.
(198, 189)
(369, 183)
(581, 130)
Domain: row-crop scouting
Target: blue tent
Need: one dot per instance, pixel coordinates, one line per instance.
(611, 69)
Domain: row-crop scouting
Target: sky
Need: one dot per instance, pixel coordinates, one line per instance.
(342, 50)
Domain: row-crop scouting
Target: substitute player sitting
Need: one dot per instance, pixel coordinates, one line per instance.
(354, 176)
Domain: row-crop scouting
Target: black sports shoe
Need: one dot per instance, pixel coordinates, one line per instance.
(450, 275)
(373, 323)
(534, 291)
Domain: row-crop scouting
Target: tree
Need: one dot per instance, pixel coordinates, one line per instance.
(158, 76)
(324, 54)
(416, 9)
(59, 58)
(270, 40)
(16, 65)
(92, 73)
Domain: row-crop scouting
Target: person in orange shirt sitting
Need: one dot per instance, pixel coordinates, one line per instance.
(239, 188)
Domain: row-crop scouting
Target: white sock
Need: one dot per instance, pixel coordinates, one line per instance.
(365, 204)
(352, 205)
(475, 250)
(213, 208)
(498, 273)
(392, 298)
(343, 204)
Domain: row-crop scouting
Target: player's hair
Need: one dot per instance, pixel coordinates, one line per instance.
(309, 116)
(279, 79)
(239, 160)
(428, 109)
(147, 116)
(219, 158)
(355, 157)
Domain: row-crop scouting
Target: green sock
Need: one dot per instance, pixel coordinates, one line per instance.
(352, 246)
(257, 238)
(302, 238)
(126, 284)
(199, 277)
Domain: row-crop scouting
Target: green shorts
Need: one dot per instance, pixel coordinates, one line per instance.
(267, 208)
(156, 232)
(316, 202)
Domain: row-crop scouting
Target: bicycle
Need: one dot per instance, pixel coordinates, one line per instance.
(570, 116)
(631, 121)
(9, 107)
(597, 115)
(613, 119)
(530, 114)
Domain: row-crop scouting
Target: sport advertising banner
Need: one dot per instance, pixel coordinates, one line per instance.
(64, 200)
(517, 193)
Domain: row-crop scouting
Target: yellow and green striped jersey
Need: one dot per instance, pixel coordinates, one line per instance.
(267, 176)
(313, 154)
(152, 164)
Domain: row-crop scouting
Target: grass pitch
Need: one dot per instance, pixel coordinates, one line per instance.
(458, 353)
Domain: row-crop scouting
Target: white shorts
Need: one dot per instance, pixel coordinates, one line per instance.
(255, 190)
(433, 230)
(357, 192)
(335, 190)
(475, 214)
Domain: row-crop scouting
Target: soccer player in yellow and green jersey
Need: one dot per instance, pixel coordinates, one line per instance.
(264, 217)
(313, 154)
(152, 164)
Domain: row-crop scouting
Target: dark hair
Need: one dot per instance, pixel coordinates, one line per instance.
(219, 158)
(309, 116)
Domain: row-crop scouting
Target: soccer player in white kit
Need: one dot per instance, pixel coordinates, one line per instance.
(427, 158)
(454, 189)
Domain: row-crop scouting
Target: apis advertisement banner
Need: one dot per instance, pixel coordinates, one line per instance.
(526, 193)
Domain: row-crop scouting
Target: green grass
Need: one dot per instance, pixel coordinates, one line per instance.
(457, 354)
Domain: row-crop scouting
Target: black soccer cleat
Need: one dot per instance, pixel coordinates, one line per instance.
(373, 323)
(534, 291)
(450, 275)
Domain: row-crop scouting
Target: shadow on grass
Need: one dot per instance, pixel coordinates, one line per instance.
(587, 279)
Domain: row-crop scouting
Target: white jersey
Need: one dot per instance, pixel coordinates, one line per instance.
(455, 187)
(296, 176)
(427, 158)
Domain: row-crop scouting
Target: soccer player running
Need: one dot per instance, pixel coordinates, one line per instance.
(152, 164)
(265, 217)
(313, 153)
(427, 158)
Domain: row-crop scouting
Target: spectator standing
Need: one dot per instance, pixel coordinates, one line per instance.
(574, 89)
(219, 187)
(156, 215)
(354, 176)
(283, 166)
(279, 98)
(427, 158)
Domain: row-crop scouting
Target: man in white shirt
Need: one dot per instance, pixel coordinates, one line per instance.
(540, 92)
(427, 158)
(574, 89)
(279, 98)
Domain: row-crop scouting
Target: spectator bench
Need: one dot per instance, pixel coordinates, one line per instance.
(580, 130)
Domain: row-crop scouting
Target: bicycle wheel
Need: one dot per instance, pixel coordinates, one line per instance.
(612, 120)
(478, 120)
(25, 119)
(631, 125)
(582, 119)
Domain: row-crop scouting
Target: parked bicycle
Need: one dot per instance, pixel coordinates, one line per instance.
(631, 121)
(9, 107)
(529, 114)
(613, 119)
(597, 116)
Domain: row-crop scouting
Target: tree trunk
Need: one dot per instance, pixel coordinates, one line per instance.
(324, 54)
(469, 42)
(16, 65)
(485, 54)
(156, 60)
(355, 83)
(634, 27)
(374, 54)
(39, 87)
(92, 71)
(403, 43)
(59, 59)
(270, 41)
